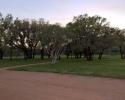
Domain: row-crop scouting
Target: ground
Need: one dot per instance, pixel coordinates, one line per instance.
(109, 66)
(16, 85)
(38, 84)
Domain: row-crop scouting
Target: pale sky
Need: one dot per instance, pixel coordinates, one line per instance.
(62, 11)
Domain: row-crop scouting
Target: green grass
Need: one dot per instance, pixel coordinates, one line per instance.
(109, 66)
(19, 61)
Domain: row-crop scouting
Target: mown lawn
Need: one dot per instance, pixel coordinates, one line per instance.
(109, 66)
(19, 61)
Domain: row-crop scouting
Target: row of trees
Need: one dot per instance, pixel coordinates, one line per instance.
(84, 36)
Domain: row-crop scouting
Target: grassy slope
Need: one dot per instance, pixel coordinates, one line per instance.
(112, 67)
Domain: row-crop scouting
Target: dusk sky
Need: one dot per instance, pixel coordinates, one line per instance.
(62, 11)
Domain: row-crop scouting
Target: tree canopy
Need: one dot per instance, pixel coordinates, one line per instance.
(84, 36)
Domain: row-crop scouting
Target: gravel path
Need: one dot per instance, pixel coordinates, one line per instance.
(16, 85)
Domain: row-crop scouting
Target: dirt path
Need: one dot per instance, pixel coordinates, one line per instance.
(46, 86)
(11, 67)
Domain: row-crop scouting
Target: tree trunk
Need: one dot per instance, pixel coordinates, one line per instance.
(1, 54)
(25, 54)
(67, 56)
(80, 55)
(42, 53)
(11, 53)
(30, 53)
(33, 54)
(121, 53)
(124, 56)
(88, 53)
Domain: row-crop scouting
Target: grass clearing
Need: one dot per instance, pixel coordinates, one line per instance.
(109, 66)
(18, 62)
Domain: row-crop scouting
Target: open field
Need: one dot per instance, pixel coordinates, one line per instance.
(109, 66)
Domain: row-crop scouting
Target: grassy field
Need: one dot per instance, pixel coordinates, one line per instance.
(19, 61)
(109, 66)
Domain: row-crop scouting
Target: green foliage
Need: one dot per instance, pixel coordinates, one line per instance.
(93, 33)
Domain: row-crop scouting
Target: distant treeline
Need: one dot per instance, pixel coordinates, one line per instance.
(84, 37)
